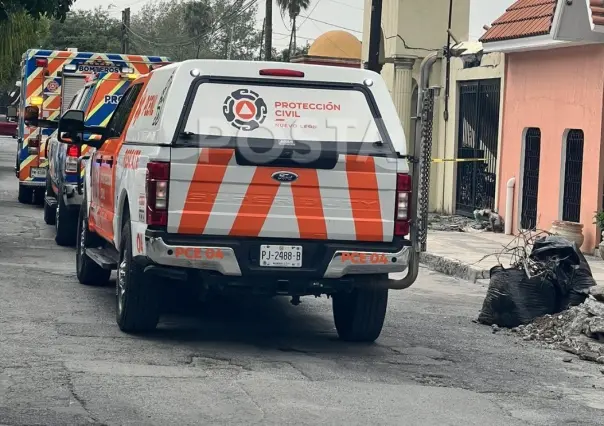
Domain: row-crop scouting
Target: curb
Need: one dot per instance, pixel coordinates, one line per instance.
(453, 267)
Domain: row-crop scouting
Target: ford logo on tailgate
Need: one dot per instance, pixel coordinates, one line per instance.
(284, 177)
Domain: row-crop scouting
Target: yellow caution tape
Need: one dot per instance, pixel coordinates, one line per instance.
(457, 160)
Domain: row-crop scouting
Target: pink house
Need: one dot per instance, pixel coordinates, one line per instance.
(553, 115)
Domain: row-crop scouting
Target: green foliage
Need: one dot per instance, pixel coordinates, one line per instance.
(293, 7)
(179, 29)
(19, 33)
(88, 30)
(56, 9)
(284, 56)
(599, 220)
(196, 29)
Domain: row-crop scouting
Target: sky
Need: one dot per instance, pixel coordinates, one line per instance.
(334, 13)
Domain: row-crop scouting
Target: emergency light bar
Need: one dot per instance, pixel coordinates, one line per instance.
(41, 62)
(70, 68)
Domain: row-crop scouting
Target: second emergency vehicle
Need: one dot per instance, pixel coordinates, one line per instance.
(98, 99)
(250, 177)
(49, 81)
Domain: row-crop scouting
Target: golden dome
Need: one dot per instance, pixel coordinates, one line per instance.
(336, 44)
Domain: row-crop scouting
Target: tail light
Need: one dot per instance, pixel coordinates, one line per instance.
(282, 73)
(158, 176)
(33, 145)
(71, 161)
(403, 202)
(41, 62)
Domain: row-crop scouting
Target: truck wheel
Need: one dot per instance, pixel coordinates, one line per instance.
(49, 212)
(25, 194)
(38, 196)
(359, 315)
(87, 270)
(66, 224)
(137, 296)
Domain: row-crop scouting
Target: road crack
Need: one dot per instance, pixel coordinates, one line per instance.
(80, 400)
(253, 401)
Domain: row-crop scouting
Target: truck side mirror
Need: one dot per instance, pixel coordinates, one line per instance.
(11, 112)
(30, 115)
(71, 127)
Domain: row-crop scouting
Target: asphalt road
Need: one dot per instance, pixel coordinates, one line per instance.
(63, 361)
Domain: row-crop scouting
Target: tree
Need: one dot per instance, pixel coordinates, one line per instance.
(103, 34)
(196, 29)
(284, 55)
(293, 8)
(17, 34)
(22, 25)
(56, 9)
(198, 19)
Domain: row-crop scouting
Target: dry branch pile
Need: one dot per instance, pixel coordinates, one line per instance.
(544, 295)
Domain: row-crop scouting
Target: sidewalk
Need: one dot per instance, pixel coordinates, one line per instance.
(459, 254)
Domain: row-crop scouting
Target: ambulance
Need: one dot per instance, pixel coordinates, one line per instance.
(49, 81)
(98, 99)
(250, 178)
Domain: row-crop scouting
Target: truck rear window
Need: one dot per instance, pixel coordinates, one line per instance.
(338, 119)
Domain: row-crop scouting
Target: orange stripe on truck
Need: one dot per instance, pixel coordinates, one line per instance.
(57, 62)
(308, 205)
(256, 204)
(364, 198)
(207, 178)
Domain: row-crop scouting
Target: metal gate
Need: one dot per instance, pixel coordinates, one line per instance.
(530, 178)
(478, 137)
(573, 174)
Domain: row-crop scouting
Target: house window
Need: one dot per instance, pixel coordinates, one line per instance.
(530, 178)
(573, 174)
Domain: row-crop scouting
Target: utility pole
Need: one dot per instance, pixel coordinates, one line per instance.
(262, 38)
(375, 36)
(268, 31)
(230, 45)
(126, 30)
(448, 63)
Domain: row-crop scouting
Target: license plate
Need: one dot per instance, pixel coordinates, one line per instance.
(38, 172)
(281, 256)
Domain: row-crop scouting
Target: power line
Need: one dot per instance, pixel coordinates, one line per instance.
(287, 35)
(305, 19)
(330, 24)
(346, 4)
(326, 35)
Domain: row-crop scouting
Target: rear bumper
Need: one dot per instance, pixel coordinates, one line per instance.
(33, 183)
(240, 257)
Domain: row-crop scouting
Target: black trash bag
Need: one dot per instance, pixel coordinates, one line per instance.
(514, 299)
(568, 266)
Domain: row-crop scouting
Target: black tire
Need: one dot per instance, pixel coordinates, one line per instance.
(25, 194)
(87, 270)
(66, 224)
(49, 212)
(359, 315)
(137, 297)
(39, 196)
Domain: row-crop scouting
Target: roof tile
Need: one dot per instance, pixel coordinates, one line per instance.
(597, 11)
(525, 18)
